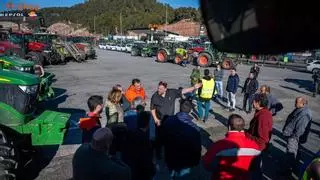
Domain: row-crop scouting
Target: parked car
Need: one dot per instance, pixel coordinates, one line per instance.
(123, 48)
(313, 66)
(128, 47)
(113, 47)
(102, 46)
(108, 46)
(118, 47)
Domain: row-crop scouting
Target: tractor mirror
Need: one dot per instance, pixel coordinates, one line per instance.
(262, 26)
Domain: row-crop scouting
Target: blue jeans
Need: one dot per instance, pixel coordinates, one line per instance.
(206, 104)
(219, 86)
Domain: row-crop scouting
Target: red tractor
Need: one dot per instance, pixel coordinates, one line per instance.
(22, 44)
(30, 49)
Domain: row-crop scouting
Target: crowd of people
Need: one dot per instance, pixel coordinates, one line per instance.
(134, 139)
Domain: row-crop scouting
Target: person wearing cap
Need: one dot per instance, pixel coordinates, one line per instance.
(92, 160)
(182, 142)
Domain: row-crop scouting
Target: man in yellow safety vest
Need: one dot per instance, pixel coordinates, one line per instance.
(205, 94)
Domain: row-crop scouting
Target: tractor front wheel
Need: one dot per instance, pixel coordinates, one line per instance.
(178, 59)
(8, 158)
(204, 60)
(227, 64)
(162, 56)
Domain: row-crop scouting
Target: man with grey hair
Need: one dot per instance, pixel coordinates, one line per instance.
(296, 130)
(92, 161)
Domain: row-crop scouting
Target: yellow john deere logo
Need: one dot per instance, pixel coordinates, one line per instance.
(5, 80)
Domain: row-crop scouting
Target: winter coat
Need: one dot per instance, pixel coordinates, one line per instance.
(260, 129)
(114, 112)
(255, 71)
(233, 83)
(181, 140)
(231, 157)
(250, 86)
(298, 124)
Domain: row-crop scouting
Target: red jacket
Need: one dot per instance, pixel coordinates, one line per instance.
(230, 158)
(89, 122)
(260, 129)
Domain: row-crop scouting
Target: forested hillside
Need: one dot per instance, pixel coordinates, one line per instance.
(106, 14)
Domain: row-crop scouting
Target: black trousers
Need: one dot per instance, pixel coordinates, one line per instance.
(247, 97)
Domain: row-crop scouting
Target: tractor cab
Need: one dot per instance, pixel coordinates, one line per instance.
(16, 63)
(21, 128)
(45, 38)
(30, 49)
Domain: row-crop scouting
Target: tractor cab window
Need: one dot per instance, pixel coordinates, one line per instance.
(16, 38)
(29, 38)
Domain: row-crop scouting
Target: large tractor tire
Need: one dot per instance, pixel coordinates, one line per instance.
(8, 158)
(36, 57)
(162, 56)
(204, 60)
(178, 59)
(227, 64)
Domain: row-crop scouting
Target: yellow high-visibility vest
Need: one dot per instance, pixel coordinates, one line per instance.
(207, 88)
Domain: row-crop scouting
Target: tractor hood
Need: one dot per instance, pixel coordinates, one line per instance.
(197, 49)
(36, 46)
(18, 78)
(16, 61)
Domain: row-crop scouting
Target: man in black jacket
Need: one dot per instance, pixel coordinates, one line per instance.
(182, 142)
(137, 153)
(249, 89)
(255, 70)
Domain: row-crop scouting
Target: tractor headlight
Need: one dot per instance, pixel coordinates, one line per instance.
(29, 89)
(23, 69)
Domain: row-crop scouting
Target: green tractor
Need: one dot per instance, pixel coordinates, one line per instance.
(149, 50)
(137, 48)
(55, 52)
(22, 132)
(173, 51)
(17, 64)
(212, 57)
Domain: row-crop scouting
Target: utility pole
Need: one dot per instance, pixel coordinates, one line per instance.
(121, 25)
(166, 20)
(94, 24)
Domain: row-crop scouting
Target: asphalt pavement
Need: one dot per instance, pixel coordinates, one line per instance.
(76, 82)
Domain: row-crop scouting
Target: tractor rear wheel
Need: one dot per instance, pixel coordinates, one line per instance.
(227, 64)
(36, 57)
(178, 59)
(162, 56)
(8, 158)
(204, 60)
